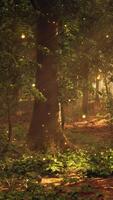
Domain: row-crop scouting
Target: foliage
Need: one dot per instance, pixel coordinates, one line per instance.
(22, 177)
(3, 142)
(101, 164)
(79, 160)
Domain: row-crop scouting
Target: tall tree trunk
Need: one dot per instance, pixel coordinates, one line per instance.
(9, 122)
(85, 94)
(97, 91)
(44, 129)
(97, 99)
(106, 86)
(85, 101)
(61, 115)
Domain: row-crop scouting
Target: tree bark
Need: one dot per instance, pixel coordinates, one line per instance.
(44, 129)
(106, 86)
(62, 116)
(9, 122)
(97, 91)
(85, 94)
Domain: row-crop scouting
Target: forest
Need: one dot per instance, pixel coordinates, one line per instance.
(56, 100)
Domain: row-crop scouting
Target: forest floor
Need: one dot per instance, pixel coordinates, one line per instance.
(94, 132)
(87, 189)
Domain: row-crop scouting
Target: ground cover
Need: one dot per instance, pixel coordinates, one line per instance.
(84, 173)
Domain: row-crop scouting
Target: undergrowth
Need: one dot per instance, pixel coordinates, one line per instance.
(21, 177)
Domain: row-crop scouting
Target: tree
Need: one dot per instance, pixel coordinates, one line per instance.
(16, 68)
(85, 16)
(44, 128)
(79, 49)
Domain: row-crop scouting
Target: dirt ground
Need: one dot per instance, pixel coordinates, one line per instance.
(91, 132)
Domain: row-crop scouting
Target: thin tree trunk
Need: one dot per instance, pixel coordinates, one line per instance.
(62, 116)
(97, 99)
(85, 95)
(9, 118)
(106, 86)
(85, 102)
(97, 90)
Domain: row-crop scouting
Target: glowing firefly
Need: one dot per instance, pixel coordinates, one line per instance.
(98, 77)
(23, 36)
(107, 36)
(83, 116)
(33, 85)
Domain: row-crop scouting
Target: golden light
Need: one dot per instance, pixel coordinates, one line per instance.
(33, 85)
(57, 33)
(100, 70)
(94, 85)
(98, 77)
(83, 116)
(107, 36)
(23, 36)
(20, 100)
